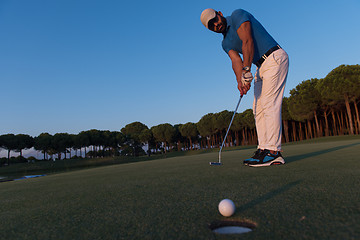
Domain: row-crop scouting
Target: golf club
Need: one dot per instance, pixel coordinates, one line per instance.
(222, 145)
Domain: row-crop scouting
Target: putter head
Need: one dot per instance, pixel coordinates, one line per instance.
(215, 163)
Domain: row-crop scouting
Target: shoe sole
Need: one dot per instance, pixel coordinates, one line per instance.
(277, 161)
(246, 163)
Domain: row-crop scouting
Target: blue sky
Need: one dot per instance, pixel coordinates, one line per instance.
(74, 65)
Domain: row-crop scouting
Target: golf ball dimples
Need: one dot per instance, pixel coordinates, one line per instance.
(226, 207)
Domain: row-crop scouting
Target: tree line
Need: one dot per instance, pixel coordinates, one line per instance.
(315, 108)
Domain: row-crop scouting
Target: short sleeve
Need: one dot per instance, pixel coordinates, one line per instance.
(225, 48)
(238, 17)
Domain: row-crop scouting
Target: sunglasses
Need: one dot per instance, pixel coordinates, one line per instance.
(211, 23)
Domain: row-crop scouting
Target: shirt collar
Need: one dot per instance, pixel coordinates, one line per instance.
(228, 25)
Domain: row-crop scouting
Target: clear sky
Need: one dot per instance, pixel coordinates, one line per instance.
(75, 65)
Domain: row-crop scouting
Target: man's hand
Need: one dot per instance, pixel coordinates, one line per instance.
(246, 77)
(245, 83)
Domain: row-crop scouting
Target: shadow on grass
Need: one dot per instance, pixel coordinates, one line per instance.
(267, 196)
(317, 153)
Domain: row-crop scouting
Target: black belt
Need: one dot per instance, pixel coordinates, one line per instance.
(263, 57)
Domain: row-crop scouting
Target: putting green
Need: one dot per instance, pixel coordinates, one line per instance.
(314, 196)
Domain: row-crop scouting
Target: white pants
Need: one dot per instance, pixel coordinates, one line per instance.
(269, 87)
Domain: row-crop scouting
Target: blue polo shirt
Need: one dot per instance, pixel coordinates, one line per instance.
(262, 39)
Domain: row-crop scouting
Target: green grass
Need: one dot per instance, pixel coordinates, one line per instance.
(17, 170)
(314, 196)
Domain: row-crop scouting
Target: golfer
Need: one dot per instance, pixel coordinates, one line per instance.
(244, 35)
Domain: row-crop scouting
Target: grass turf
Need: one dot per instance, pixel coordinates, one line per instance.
(314, 196)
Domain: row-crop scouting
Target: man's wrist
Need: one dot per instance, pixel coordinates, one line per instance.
(246, 69)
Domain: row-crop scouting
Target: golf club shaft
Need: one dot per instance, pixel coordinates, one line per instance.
(222, 145)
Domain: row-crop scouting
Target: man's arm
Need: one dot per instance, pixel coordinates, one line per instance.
(237, 66)
(245, 35)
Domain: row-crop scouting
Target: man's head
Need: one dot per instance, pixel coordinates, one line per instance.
(213, 20)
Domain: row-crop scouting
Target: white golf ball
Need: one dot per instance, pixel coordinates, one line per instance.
(226, 207)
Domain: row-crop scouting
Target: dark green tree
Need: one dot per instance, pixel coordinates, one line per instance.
(112, 142)
(249, 123)
(77, 144)
(178, 139)
(286, 118)
(95, 140)
(327, 105)
(132, 133)
(146, 138)
(82, 140)
(164, 134)
(60, 143)
(222, 120)
(343, 84)
(237, 126)
(43, 143)
(206, 128)
(24, 141)
(189, 131)
(304, 103)
(9, 142)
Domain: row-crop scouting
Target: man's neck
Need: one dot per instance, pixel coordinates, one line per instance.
(226, 29)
